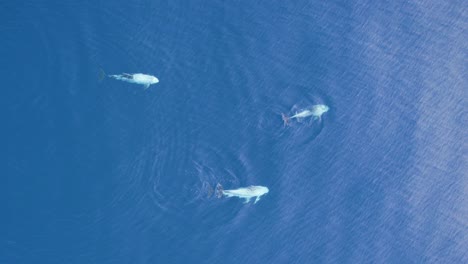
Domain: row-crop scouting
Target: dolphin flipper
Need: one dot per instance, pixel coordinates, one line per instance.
(247, 200)
(256, 200)
(147, 86)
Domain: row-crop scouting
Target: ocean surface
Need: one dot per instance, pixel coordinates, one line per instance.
(107, 172)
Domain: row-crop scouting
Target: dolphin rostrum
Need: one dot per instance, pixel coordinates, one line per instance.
(246, 193)
(138, 78)
(316, 111)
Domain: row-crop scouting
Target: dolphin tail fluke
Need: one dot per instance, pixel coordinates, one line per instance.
(219, 190)
(285, 119)
(209, 190)
(102, 74)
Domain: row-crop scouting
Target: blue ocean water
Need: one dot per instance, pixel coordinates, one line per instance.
(107, 172)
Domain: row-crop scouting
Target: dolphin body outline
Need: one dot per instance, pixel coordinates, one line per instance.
(316, 111)
(138, 78)
(246, 193)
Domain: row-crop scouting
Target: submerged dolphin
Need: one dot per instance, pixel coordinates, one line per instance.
(246, 193)
(316, 111)
(138, 78)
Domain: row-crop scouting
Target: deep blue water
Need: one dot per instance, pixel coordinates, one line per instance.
(106, 172)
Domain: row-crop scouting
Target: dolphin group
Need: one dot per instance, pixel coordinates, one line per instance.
(246, 193)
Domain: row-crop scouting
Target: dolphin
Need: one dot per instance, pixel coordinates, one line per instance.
(246, 193)
(316, 111)
(138, 78)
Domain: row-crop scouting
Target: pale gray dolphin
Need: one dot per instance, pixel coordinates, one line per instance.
(316, 111)
(246, 193)
(138, 78)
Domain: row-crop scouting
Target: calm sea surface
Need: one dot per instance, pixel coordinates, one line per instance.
(107, 172)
